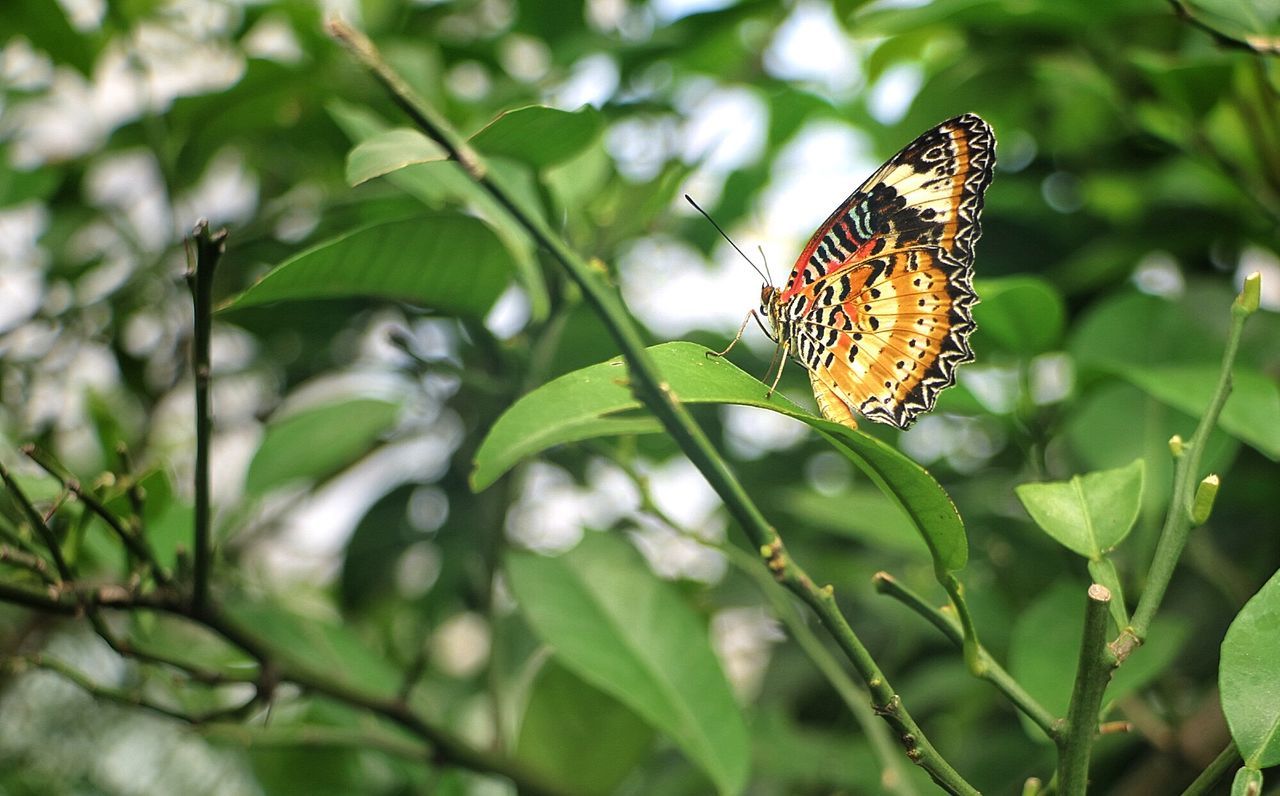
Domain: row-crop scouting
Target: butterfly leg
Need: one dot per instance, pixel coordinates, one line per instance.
(772, 387)
(736, 337)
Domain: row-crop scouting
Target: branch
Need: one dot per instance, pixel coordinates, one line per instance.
(1093, 672)
(137, 545)
(38, 522)
(894, 777)
(447, 749)
(1185, 512)
(209, 248)
(648, 386)
(991, 670)
(1221, 764)
(135, 699)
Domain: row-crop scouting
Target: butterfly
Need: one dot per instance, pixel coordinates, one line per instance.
(878, 307)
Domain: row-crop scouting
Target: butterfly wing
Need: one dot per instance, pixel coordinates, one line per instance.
(878, 306)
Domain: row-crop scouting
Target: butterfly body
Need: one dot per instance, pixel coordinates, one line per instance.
(878, 307)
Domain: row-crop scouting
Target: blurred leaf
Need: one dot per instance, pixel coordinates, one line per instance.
(449, 262)
(1240, 19)
(1249, 677)
(374, 549)
(319, 647)
(584, 403)
(1252, 411)
(538, 135)
(388, 151)
(1023, 314)
(878, 522)
(1091, 513)
(1045, 648)
(578, 735)
(819, 759)
(312, 444)
(620, 628)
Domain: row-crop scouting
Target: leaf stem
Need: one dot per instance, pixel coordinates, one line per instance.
(1178, 521)
(649, 387)
(209, 248)
(991, 670)
(1216, 770)
(1093, 672)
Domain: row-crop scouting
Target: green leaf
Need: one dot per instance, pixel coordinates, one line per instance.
(1090, 514)
(318, 442)
(620, 628)
(441, 183)
(1249, 677)
(1252, 411)
(1045, 644)
(1241, 19)
(585, 403)
(1023, 314)
(538, 135)
(446, 261)
(389, 151)
(578, 735)
(316, 646)
(878, 522)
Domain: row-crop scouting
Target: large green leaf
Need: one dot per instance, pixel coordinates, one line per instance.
(447, 261)
(1249, 677)
(578, 735)
(1174, 355)
(538, 135)
(1022, 314)
(1252, 411)
(318, 442)
(1091, 513)
(596, 400)
(620, 628)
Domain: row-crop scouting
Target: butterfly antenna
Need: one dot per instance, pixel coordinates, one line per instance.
(763, 275)
(765, 260)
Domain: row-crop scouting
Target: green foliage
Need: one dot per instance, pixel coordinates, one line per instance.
(629, 634)
(1247, 677)
(380, 621)
(1091, 513)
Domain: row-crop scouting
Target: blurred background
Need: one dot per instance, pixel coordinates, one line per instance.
(1138, 182)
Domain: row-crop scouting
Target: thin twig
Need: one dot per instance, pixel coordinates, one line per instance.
(992, 671)
(1216, 770)
(1179, 519)
(28, 561)
(447, 749)
(649, 387)
(209, 248)
(137, 545)
(38, 522)
(135, 698)
(1093, 672)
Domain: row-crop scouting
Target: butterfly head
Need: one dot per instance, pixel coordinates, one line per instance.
(771, 308)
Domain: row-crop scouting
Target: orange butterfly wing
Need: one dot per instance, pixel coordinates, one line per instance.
(878, 306)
